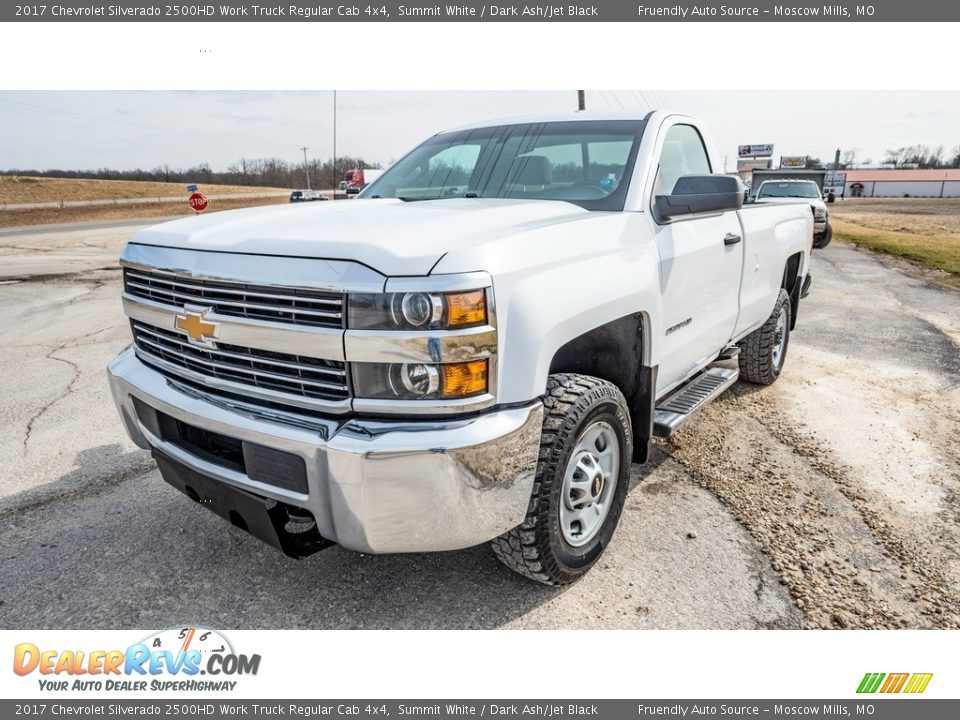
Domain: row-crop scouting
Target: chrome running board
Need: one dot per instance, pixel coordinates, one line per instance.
(690, 399)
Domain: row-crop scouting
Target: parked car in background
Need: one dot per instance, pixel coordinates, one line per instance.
(792, 190)
(306, 196)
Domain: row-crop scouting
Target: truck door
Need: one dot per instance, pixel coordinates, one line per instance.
(701, 259)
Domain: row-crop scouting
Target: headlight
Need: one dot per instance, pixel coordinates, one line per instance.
(820, 213)
(420, 381)
(416, 310)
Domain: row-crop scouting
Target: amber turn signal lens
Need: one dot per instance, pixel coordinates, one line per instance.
(464, 379)
(468, 308)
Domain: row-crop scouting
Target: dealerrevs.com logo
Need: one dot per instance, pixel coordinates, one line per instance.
(168, 660)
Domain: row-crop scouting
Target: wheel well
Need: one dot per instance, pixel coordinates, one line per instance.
(792, 283)
(614, 352)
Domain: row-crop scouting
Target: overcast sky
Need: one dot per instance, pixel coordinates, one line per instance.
(124, 130)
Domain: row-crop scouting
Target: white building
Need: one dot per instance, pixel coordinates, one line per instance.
(940, 183)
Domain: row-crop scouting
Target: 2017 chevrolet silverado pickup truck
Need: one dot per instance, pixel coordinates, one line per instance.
(475, 350)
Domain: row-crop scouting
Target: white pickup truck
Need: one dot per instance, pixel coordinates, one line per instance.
(790, 190)
(475, 350)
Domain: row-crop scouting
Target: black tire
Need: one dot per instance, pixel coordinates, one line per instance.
(537, 548)
(759, 362)
(823, 240)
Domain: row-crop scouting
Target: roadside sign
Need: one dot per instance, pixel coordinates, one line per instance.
(793, 161)
(834, 178)
(192, 188)
(755, 150)
(198, 202)
(752, 164)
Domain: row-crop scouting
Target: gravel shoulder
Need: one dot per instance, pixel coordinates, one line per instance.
(827, 500)
(847, 469)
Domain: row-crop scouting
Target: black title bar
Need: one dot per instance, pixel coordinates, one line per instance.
(478, 11)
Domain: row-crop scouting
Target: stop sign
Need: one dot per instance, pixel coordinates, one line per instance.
(198, 202)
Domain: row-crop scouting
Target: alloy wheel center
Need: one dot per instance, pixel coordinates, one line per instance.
(588, 484)
(596, 487)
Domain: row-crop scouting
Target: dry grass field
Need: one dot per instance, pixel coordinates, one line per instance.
(926, 231)
(47, 216)
(16, 189)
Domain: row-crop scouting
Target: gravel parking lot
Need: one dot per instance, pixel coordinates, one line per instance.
(831, 499)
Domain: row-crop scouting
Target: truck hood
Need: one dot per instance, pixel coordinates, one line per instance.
(815, 203)
(391, 236)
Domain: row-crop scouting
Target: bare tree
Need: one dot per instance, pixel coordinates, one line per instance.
(935, 157)
(919, 156)
(849, 159)
(240, 171)
(896, 157)
(268, 172)
(164, 173)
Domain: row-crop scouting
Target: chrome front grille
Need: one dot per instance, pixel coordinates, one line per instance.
(279, 377)
(293, 306)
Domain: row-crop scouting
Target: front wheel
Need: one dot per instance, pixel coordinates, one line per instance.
(580, 485)
(822, 241)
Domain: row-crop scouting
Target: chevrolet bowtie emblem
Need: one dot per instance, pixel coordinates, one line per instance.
(193, 324)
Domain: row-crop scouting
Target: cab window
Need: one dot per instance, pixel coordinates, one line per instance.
(683, 153)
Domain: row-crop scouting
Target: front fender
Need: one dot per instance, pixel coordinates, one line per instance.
(541, 310)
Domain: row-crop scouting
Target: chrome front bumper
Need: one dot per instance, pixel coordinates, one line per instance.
(372, 486)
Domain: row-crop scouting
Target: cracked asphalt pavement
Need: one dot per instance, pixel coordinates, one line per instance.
(827, 500)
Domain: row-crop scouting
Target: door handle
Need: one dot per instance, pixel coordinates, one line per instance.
(731, 239)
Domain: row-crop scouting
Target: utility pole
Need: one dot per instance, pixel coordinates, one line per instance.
(581, 99)
(306, 166)
(336, 182)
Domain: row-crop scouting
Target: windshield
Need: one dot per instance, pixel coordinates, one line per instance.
(586, 162)
(789, 190)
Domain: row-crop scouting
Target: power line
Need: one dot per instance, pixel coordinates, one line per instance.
(334, 164)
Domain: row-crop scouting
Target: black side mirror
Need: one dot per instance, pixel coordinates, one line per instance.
(695, 194)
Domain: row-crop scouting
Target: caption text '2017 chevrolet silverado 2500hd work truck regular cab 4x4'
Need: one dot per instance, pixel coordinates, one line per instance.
(474, 350)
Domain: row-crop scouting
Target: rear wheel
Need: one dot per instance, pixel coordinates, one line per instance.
(580, 485)
(763, 352)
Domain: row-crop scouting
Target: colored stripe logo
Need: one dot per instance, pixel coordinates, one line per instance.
(913, 683)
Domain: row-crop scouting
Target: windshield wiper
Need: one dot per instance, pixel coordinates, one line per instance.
(439, 197)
